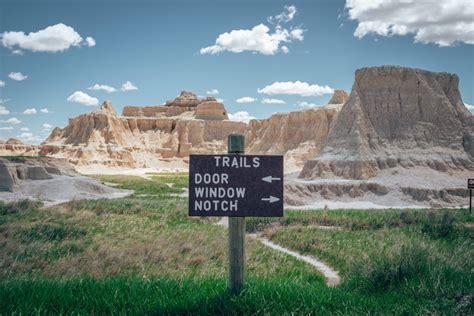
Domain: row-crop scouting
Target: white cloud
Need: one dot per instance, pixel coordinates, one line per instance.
(18, 52)
(90, 41)
(103, 87)
(241, 116)
(257, 40)
(82, 98)
(4, 100)
(4, 110)
(305, 104)
(246, 100)
(285, 16)
(443, 22)
(26, 135)
(296, 88)
(212, 92)
(30, 111)
(8, 128)
(2, 83)
(47, 126)
(470, 107)
(128, 86)
(18, 76)
(24, 129)
(12, 121)
(54, 38)
(272, 101)
(45, 111)
(29, 138)
(297, 34)
(220, 100)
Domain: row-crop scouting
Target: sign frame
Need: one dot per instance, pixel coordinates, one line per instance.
(253, 185)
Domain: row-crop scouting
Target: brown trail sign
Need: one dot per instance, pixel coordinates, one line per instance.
(236, 186)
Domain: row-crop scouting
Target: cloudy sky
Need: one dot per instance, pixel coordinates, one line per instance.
(59, 59)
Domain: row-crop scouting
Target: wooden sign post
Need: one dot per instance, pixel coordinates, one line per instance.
(470, 186)
(236, 146)
(236, 185)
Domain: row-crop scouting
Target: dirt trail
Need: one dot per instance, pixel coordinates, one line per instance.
(332, 277)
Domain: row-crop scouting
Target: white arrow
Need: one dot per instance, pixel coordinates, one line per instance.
(271, 199)
(269, 179)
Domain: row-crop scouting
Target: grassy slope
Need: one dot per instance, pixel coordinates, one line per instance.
(142, 254)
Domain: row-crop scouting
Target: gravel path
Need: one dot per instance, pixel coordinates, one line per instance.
(332, 277)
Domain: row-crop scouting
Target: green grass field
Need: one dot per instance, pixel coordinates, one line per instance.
(144, 255)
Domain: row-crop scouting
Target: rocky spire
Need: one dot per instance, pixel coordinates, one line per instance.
(339, 97)
(107, 108)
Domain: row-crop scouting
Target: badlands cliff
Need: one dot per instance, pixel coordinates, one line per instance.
(151, 136)
(397, 117)
(14, 147)
(298, 135)
(403, 138)
(143, 136)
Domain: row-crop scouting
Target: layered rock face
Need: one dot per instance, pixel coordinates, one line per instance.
(144, 135)
(397, 117)
(211, 110)
(298, 136)
(14, 147)
(185, 103)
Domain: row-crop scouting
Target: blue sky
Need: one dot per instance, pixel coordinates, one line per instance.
(159, 47)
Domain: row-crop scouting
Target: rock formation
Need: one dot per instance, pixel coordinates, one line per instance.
(144, 136)
(397, 117)
(49, 179)
(14, 147)
(298, 136)
(14, 171)
(339, 97)
(211, 110)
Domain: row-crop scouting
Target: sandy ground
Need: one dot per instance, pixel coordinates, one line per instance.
(62, 189)
(169, 165)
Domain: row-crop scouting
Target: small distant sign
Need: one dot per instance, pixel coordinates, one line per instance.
(470, 183)
(235, 185)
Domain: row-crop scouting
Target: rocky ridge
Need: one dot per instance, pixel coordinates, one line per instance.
(143, 136)
(14, 147)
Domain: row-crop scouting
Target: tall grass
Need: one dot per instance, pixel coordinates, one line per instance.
(143, 255)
